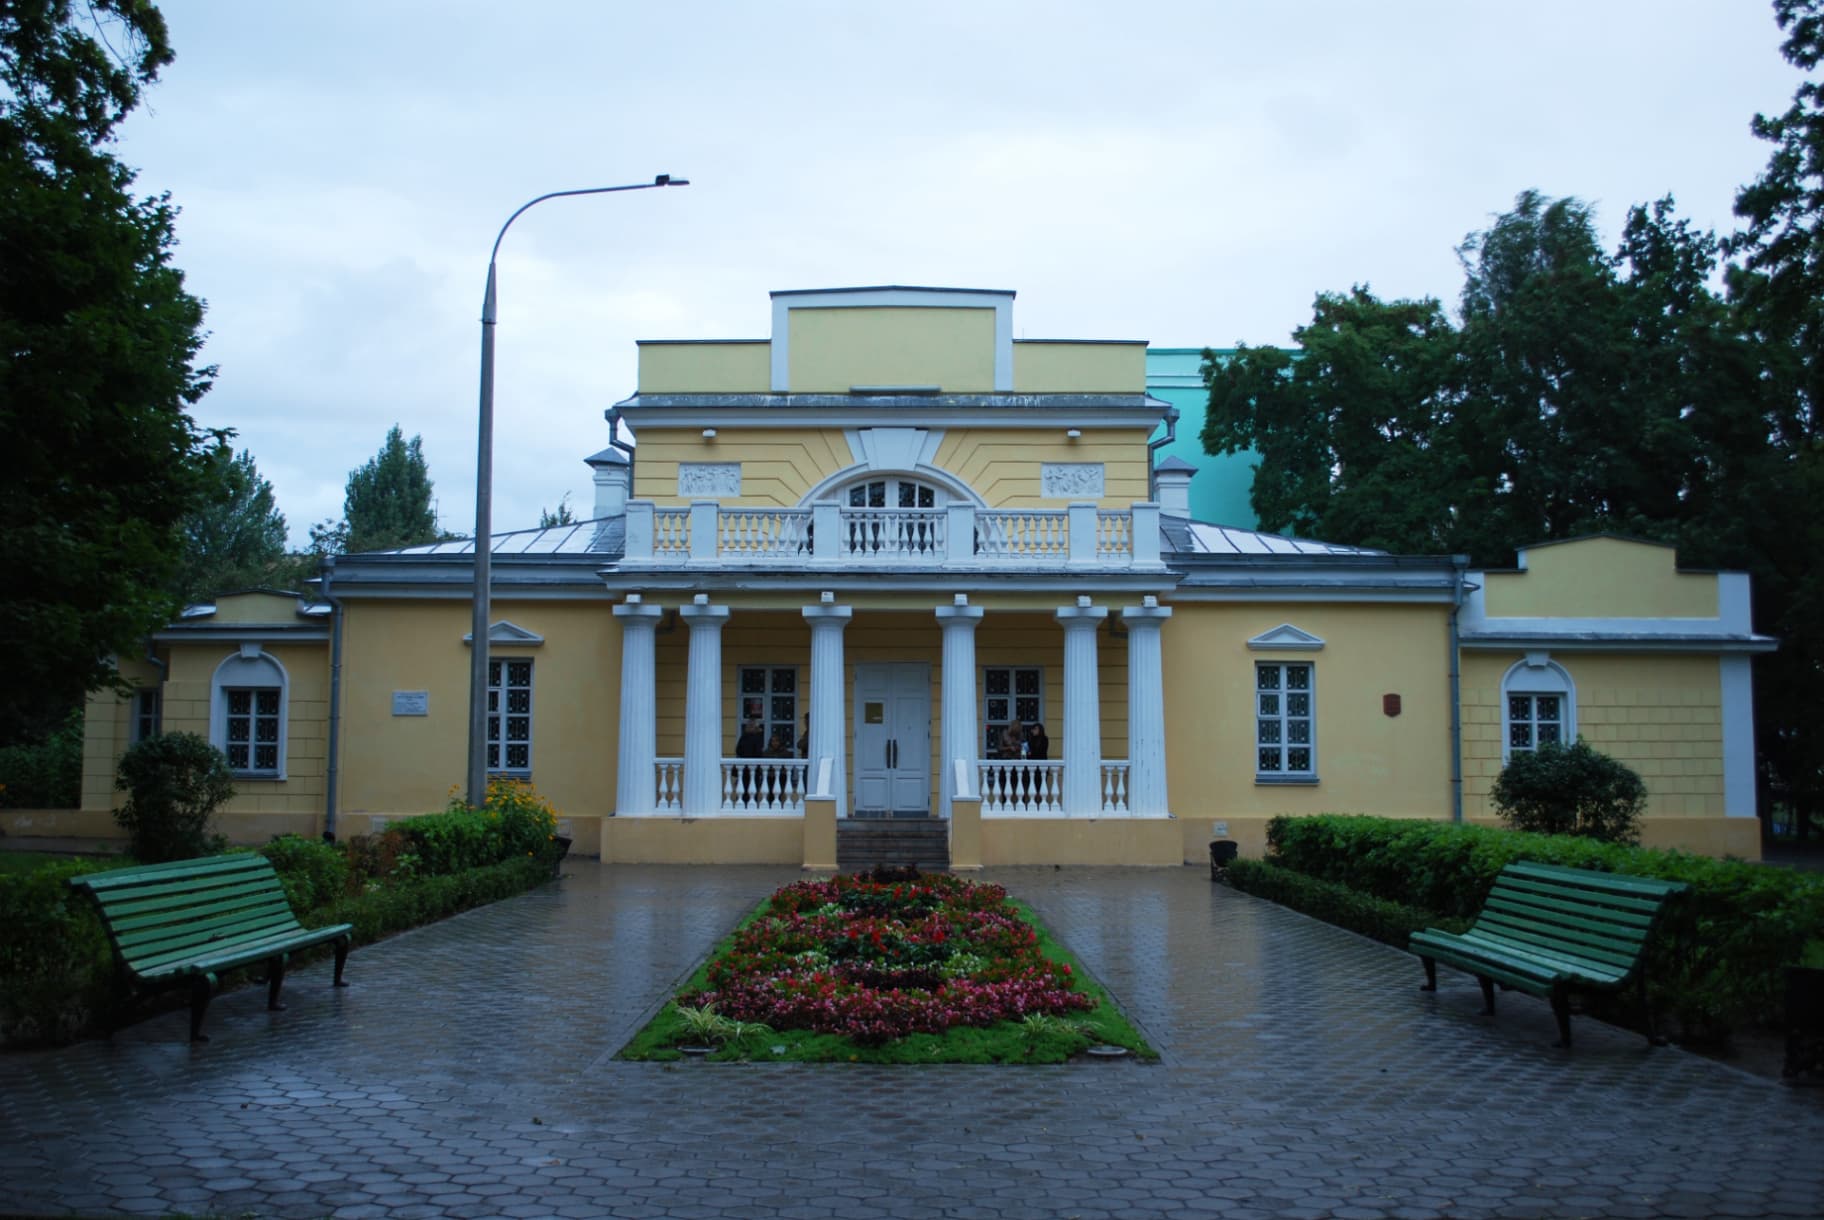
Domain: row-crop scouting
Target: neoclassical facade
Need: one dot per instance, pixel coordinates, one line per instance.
(847, 569)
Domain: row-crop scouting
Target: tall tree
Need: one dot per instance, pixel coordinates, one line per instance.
(98, 342)
(237, 539)
(389, 502)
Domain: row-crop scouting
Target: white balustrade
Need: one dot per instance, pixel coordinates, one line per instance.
(751, 533)
(893, 533)
(764, 785)
(671, 531)
(669, 781)
(1015, 788)
(1114, 534)
(1025, 533)
(1114, 787)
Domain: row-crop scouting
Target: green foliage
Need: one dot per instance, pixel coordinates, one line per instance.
(1717, 965)
(1570, 790)
(563, 515)
(100, 337)
(54, 967)
(408, 903)
(174, 783)
(313, 872)
(389, 502)
(704, 1026)
(1383, 919)
(44, 774)
(236, 539)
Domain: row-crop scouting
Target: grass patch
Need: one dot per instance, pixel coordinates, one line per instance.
(1036, 1037)
(18, 862)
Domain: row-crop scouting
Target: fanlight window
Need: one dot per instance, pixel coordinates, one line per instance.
(895, 493)
(891, 516)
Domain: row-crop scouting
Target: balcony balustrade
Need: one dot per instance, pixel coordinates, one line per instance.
(828, 534)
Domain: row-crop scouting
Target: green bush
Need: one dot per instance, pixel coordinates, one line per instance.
(1570, 790)
(1383, 919)
(409, 903)
(44, 774)
(175, 782)
(1716, 966)
(55, 973)
(312, 872)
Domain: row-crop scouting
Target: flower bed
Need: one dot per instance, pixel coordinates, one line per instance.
(860, 962)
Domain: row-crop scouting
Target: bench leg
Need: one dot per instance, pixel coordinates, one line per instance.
(275, 979)
(1561, 1008)
(1654, 1037)
(1431, 974)
(202, 990)
(1488, 994)
(341, 960)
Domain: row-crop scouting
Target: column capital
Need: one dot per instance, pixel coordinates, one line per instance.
(1080, 614)
(1145, 616)
(827, 612)
(701, 613)
(960, 614)
(635, 609)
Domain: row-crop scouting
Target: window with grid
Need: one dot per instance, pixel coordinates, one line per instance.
(1534, 720)
(769, 695)
(251, 727)
(510, 717)
(1284, 716)
(147, 710)
(1010, 693)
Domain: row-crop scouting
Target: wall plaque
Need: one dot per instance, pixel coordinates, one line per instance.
(709, 478)
(411, 703)
(1071, 480)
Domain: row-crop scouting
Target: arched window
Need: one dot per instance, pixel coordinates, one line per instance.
(249, 713)
(1538, 705)
(892, 491)
(894, 514)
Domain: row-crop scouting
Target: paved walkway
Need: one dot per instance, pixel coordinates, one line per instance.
(468, 1072)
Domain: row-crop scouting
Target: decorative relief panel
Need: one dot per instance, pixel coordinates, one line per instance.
(709, 478)
(1071, 480)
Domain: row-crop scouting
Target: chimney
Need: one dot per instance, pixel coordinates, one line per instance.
(612, 474)
(1173, 477)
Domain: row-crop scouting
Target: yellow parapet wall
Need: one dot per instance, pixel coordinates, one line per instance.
(704, 368)
(1132, 841)
(1601, 578)
(720, 840)
(836, 349)
(1058, 367)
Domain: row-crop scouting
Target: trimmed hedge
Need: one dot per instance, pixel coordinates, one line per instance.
(1386, 921)
(1717, 967)
(55, 968)
(408, 904)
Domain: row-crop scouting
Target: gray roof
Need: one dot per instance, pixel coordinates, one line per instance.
(1202, 538)
(599, 536)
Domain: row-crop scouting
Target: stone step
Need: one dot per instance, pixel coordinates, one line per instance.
(894, 842)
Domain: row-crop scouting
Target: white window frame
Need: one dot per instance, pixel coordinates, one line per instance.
(500, 691)
(1278, 713)
(1534, 675)
(250, 669)
(993, 726)
(147, 715)
(793, 725)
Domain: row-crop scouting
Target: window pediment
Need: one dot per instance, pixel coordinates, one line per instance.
(1286, 638)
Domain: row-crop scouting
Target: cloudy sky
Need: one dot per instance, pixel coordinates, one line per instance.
(1189, 174)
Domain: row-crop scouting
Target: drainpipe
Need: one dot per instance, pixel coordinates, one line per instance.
(613, 416)
(1458, 563)
(1153, 447)
(333, 770)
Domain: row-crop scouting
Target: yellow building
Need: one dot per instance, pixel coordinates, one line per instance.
(821, 606)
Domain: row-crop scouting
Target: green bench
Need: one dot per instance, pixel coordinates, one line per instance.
(1549, 931)
(190, 921)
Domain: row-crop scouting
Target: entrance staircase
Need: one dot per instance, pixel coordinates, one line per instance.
(863, 843)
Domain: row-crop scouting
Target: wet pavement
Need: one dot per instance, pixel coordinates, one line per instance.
(469, 1071)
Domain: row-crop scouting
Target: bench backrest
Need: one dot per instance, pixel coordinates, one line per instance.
(1597, 917)
(157, 914)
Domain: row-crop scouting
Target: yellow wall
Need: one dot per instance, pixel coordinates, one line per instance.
(1002, 464)
(1367, 762)
(705, 368)
(779, 466)
(1042, 367)
(833, 350)
(254, 608)
(1661, 715)
(1601, 578)
(410, 764)
(107, 731)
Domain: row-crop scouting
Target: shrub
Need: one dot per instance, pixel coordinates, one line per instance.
(54, 963)
(1716, 965)
(312, 872)
(1384, 919)
(44, 774)
(175, 783)
(1570, 790)
(409, 903)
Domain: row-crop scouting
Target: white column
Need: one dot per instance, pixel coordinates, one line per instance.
(960, 736)
(827, 621)
(1082, 709)
(634, 789)
(1146, 795)
(703, 708)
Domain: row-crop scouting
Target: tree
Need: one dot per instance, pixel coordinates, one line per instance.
(237, 539)
(388, 503)
(98, 341)
(174, 784)
(1570, 790)
(563, 516)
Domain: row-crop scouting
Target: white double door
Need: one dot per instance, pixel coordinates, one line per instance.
(892, 740)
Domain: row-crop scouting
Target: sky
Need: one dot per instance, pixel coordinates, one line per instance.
(1191, 174)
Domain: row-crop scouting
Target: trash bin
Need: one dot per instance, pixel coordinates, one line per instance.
(1222, 851)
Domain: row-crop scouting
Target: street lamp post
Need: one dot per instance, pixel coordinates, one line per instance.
(484, 491)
